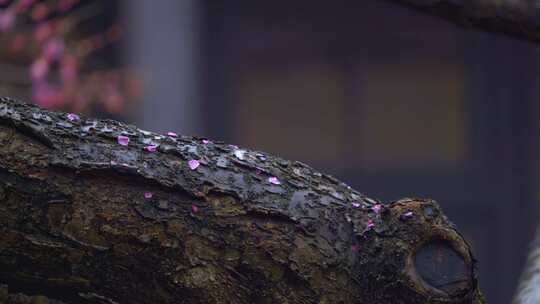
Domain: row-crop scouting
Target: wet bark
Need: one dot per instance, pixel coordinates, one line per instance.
(516, 18)
(84, 219)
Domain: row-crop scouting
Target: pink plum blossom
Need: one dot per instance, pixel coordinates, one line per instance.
(7, 19)
(39, 68)
(53, 49)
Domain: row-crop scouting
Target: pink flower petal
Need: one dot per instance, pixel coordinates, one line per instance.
(39, 68)
(408, 214)
(274, 180)
(370, 225)
(194, 208)
(148, 195)
(206, 141)
(7, 19)
(377, 208)
(123, 140)
(53, 49)
(356, 204)
(193, 164)
(172, 134)
(151, 148)
(73, 117)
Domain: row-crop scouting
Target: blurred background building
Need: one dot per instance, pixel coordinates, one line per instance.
(394, 102)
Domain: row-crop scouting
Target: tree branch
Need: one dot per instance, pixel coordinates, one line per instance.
(88, 217)
(516, 18)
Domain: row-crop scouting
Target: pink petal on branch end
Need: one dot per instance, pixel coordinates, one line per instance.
(370, 225)
(193, 164)
(148, 195)
(274, 180)
(172, 134)
(123, 140)
(194, 208)
(151, 148)
(376, 208)
(73, 117)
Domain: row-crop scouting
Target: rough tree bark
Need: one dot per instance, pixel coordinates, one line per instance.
(516, 18)
(84, 219)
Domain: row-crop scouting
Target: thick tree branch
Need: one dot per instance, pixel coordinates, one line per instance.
(516, 18)
(88, 217)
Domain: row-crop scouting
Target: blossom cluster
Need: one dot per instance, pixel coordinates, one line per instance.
(45, 37)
